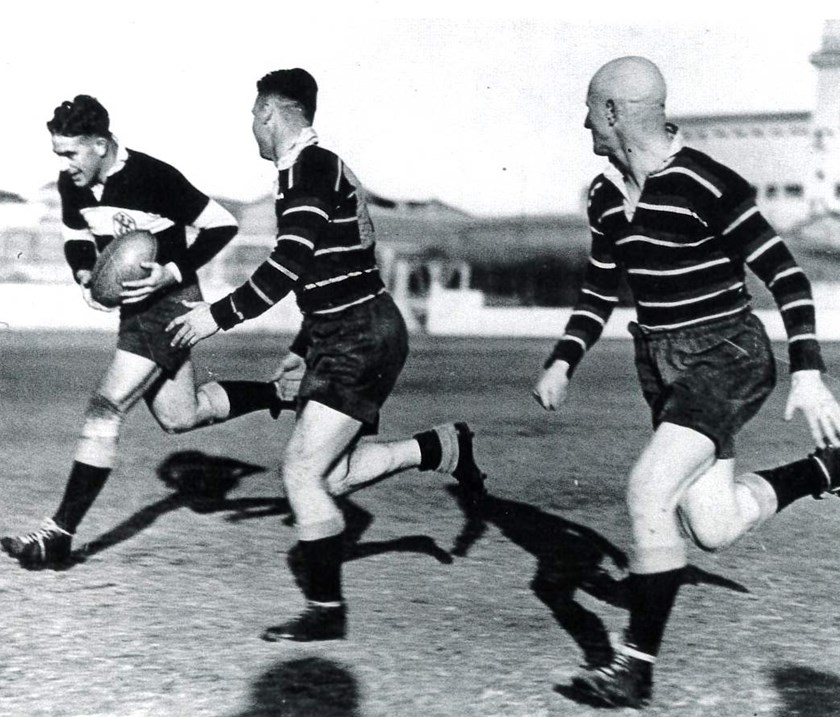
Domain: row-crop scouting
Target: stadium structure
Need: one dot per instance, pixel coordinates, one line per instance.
(428, 248)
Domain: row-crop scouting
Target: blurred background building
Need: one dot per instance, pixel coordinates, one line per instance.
(792, 159)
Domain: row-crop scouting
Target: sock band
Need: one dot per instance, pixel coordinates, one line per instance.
(322, 529)
(659, 559)
(631, 651)
(439, 449)
(763, 493)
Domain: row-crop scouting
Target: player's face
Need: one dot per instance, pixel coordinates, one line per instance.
(261, 127)
(603, 134)
(82, 157)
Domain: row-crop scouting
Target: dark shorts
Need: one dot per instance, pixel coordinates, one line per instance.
(354, 358)
(143, 327)
(711, 378)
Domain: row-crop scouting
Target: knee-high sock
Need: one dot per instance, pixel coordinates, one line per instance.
(248, 396)
(651, 597)
(322, 560)
(795, 480)
(83, 487)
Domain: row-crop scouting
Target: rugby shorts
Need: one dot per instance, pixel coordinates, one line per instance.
(354, 358)
(711, 377)
(143, 326)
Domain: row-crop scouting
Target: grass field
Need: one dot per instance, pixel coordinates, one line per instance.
(161, 612)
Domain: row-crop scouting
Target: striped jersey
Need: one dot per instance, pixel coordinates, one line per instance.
(143, 193)
(325, 249)
(683, 250)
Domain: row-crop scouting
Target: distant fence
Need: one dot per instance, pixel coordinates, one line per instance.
(463, 313)
(30, 306)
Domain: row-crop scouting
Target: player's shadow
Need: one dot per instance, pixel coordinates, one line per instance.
(202, 482)
(306, 687)
(570, 558)
(806, 691)
(357, 521)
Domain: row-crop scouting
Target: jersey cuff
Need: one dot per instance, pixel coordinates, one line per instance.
(224, 313)
(569, 351)
(805, 355)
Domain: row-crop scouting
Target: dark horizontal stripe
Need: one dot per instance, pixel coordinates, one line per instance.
(683, 208)
(341, 293)
(657, 316)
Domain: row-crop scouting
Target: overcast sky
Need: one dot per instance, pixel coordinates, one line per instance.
(482, 109)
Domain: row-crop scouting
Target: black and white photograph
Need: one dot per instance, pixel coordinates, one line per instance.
(419, 360)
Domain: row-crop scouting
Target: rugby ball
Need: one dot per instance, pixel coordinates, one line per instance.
(120, 261)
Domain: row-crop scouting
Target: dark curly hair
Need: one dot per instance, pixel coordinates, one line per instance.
(85, 115)
(295, 84)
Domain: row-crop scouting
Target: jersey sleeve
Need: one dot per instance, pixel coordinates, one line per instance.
(302, 215)
(79, 243)
(747, 233)
(183, 203)
(597, 297)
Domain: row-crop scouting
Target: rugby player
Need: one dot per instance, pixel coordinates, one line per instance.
(350, 350)
(682, 227)
(106, 191)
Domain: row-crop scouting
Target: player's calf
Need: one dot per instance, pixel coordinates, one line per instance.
(49, 545)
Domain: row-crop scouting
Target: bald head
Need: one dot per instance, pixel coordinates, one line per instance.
(626, 102)
(630, 79)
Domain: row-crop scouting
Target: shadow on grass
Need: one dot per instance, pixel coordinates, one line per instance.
(307, 687)
(202, 482)
(806, 692)
(570, 558)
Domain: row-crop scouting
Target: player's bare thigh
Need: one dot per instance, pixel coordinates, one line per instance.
(178, 405)
(127, 379)
(674, 458)
(319, 442)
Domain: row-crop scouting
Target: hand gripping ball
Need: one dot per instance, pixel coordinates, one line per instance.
(120, 261)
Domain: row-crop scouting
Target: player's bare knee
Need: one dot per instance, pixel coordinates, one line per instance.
(173, 421)
(296, 474)
(172, 426)
(103, 418)
(338, 480)
(708, 535)
(644, 500)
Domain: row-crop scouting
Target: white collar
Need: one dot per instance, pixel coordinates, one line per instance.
(119, 163)
(616, 176)
(306, 137)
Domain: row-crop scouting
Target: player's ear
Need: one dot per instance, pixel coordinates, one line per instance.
(100, 146)
(612, 113)
(265, 109)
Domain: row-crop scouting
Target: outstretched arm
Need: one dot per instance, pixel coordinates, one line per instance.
(767, 255)
(596, 300)
(190, 328)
